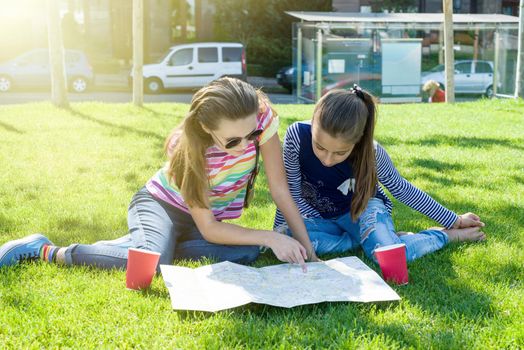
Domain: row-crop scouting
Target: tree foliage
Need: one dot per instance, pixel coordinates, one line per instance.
(263, 27)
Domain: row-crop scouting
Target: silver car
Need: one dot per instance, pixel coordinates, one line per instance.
(31, 69)
(471, 77)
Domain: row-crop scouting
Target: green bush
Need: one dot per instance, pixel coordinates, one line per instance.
(263, 27)
(270, 54)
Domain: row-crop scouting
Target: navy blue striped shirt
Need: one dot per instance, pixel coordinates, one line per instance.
(315, 188)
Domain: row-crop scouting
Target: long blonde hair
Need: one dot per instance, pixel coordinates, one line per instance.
(225, 98)
(351, 115)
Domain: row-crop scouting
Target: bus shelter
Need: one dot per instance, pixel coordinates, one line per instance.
(393, 54)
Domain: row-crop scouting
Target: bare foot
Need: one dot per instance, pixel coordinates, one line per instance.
(469, 234)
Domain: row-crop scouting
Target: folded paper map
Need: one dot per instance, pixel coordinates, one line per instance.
(226, 285)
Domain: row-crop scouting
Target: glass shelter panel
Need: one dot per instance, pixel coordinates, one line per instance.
(506, 61)
(394, 60)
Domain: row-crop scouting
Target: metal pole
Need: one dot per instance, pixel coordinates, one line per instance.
(441, 45)
(299, 61)
(496, 61)
(318, 77)
(138, 52)
(56, 56)
(449, 54)
(520, 54)
(476, 45)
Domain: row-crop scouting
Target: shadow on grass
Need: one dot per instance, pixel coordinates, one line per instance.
(518, 179)
(117, 128)
(78, 230)
(465, 142)
(436, 165)
(436, 178)
(438, 289)
(455, 141)
(11, 128)
(157, 114)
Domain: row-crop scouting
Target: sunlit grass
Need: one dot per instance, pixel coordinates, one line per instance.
(71, 174)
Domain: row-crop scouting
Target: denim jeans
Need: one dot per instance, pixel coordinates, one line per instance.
(373, 229)
(157, 226)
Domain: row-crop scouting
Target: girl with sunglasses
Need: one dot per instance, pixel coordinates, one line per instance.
(212, 164)
(336, 174)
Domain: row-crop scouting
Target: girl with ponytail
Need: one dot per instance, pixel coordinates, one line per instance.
(336, 173)
(211, 168)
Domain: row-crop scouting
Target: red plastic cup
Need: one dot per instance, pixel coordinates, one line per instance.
(392, 261)
(141, 267)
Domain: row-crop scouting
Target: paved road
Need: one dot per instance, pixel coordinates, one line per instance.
(115, 97)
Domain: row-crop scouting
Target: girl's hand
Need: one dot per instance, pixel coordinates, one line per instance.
(468, 220)
(288, 249)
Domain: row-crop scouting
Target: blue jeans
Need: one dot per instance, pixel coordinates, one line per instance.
(372, 230)
(157, 226)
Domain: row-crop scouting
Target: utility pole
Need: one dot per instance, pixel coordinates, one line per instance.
(520, 55)
(138, 52)
(449, 60)
(56, 56)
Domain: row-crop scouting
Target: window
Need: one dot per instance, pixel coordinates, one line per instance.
(483, 67)
(72, 57)
(181, 57)
(35, 58)
(231, 54)
(439, 68)
(207, 55)
(463, 68)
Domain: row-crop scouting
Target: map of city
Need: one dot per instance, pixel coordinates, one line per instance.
(226, 285)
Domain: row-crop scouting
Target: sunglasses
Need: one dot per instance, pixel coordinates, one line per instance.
(235, 141)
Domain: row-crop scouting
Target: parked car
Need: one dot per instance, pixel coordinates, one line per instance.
(471, 77)
(195, 65)
(287, 78)
(31, 69)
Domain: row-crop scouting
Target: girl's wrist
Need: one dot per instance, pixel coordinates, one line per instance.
(458, 222)
(269, 238)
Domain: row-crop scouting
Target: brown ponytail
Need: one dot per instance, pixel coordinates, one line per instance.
(352, 115)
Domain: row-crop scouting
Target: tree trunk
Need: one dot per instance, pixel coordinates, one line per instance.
(56, 56)
(449, 54)
(138, 52)
(519, 84)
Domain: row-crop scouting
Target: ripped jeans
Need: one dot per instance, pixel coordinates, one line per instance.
(373, 229)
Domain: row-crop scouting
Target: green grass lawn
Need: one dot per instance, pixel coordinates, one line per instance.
(71, 175)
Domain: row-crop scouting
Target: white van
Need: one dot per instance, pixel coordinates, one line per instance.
(195, 65)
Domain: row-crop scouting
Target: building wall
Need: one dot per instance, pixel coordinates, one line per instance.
(509, 7)
(346, 5)
(350, 5)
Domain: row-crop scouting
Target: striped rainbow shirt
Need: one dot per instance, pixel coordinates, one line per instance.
(227, 174)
